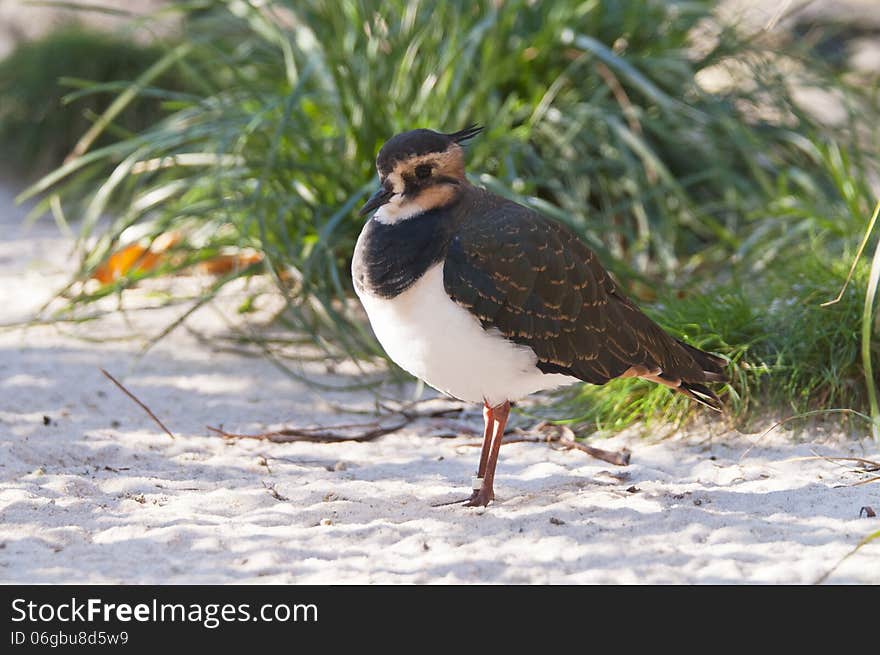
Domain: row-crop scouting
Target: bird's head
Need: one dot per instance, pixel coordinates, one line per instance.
(418, 170)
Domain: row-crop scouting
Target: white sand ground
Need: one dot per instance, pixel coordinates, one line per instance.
(101, 495)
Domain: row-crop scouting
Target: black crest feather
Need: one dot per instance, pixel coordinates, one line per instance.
(467, 133)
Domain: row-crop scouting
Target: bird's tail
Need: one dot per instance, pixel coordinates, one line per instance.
(712, 365)
(701, 393)
(713, 371)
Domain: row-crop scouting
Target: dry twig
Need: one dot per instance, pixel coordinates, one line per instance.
(366, 431)
(330, 434)
(134, 398)
(867, 466)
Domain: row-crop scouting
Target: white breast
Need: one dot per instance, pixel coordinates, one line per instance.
(438, 341)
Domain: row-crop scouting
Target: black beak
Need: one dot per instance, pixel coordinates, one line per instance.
(376, 200)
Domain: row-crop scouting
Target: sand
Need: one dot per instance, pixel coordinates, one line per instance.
(101, 495)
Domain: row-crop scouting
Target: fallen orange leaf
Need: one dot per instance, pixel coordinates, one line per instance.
(135, 257)
(229, 262)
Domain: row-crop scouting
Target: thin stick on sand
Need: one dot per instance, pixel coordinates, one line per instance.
(134, 398)
(330, 434)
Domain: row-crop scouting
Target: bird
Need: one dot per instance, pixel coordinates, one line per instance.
(489, 301)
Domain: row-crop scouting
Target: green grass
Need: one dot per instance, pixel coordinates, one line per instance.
(737, 207)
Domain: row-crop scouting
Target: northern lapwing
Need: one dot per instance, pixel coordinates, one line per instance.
(488, 301)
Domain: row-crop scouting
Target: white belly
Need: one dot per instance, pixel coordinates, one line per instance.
(430, 336)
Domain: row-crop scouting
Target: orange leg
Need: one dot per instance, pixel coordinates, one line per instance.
(496, 420)
(488, 420)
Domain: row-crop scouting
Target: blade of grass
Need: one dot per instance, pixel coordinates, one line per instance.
(867, 321)
(858, 256)
(864, 542)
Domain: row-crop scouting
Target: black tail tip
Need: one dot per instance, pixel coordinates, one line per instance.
(702, 395)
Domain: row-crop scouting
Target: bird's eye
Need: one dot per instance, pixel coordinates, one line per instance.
(423, 171)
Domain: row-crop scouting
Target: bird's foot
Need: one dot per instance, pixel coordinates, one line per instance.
(481, 497)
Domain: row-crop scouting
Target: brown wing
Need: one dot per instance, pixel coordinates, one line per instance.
(534, 281)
